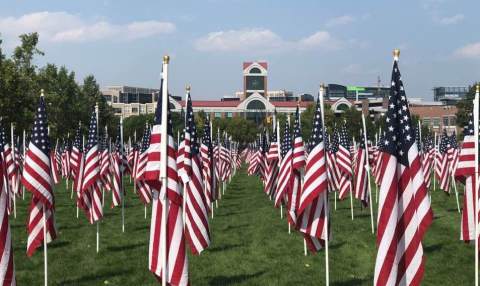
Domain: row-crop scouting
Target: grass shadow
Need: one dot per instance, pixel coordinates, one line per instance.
(57, 244)
(124, 247)
(228, 280)
(223, 247)
(336, 245)
(350, 282)
(95, 277)
(432, 248)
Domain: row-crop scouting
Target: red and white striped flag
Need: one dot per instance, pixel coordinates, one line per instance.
(196, 209)
(144, 190)
(206, 152)
(312, 212)
(285, 177)
(361, 179)
(175, 256)
(37, 179)
(91, 192)
(7, 268)
(404, 207)
(298, 163)
(465, 172)
(443, 158)
(272, 165)
(344, 163)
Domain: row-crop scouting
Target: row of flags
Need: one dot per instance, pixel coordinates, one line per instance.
(183, 181)
(299, 177)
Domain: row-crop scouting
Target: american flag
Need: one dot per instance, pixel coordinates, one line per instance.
(427, 160)
(404, 207)
(465, 172)
(225, 160)
(272, 165)
(83, 199)
(105, 170)
(361, 179)
(379, 160)
(206, 151)
(312, 212)
(443, 163)
(144, 190)
(344, 163)
(7, 273)
(37, 180)
(54, 166)
(298, 162)
(181, 157)
(196, 208)
(65, 159)
(285, 174)
(117, 172)
(453, 152)
(177, 261)
(7, 156)
(91, 193)
(332, 169)
(261, 157)
(75, 153)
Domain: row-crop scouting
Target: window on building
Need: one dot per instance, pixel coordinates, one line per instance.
(426, 121)
(445, 120)
(218, 114)
(229, 114)
(436, 121)
(134, 110)
(255, 70)
(453, 120)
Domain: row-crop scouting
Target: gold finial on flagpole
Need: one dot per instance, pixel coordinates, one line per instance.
(396, 53)
(188, 87)
(41, 92)
(478, 88)
(166, 59)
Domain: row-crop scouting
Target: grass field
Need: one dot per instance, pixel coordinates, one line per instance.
(250, 246)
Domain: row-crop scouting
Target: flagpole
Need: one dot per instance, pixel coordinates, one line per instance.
(45, 257)
(434, 158)
(163, 170)
(367, 166)
(13, 183)
(325, 194)
(477, 179)
(121, 173)
(98, 222)
(23, 187)
(279, 158)
(289, 227)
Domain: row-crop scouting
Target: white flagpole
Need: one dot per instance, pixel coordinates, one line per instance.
(325, 199)
(98, 222)
(45, 257)
(163, 170)
(13, 182)
(24, 148)
(351, 192)
(434, 158)
(279, 159)
(66, 179)
(121, 174)
(289, 227)
(367, 166)
(477, 183)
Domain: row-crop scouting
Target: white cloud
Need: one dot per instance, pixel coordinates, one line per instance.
(342, 20)
(469, 51)
(240, 40)
(264, 40)
(66, 27)
(451, 20)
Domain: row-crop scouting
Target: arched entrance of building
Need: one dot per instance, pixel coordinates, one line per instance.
(255, 111)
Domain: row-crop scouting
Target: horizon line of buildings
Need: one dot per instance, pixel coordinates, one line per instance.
(256, 101)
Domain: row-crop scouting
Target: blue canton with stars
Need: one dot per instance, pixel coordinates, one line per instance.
(158, 111)
(145, 139)
(40, 129)
(287, 140)
(317, 129)
(343, 137)
(92, 133)
(191, 128)
(400, 136)
(78, 140)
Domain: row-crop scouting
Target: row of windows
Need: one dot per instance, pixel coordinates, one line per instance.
(435, 121)
(219, 114)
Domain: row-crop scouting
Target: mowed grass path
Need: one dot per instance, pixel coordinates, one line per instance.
(250, 245)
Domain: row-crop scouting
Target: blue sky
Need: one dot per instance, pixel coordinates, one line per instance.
(305, 42)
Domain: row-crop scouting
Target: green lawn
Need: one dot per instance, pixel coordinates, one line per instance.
(250, 246)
